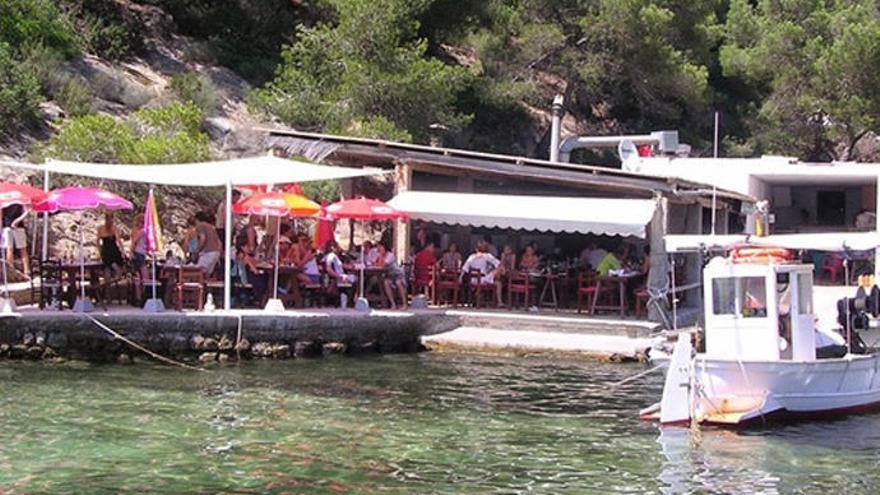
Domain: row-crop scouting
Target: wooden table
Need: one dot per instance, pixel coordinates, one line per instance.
(92, 269)
(621, 281)
(550, 288)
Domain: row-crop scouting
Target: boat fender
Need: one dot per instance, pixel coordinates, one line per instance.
(760, 255)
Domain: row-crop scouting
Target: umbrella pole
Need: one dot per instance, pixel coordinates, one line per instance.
(154, 275)
(82, 262)
(7, 304)
(363, 264)
(277, 249)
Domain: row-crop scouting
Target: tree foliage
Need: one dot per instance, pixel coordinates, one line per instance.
(365, 72)
(169, 134)
(813, 66)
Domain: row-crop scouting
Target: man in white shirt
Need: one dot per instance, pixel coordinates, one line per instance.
(333, 265)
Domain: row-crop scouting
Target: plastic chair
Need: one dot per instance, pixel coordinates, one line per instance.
(832, 264)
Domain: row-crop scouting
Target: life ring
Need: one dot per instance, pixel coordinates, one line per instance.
(760, 255)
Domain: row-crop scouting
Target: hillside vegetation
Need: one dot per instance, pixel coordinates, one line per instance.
(794, 77)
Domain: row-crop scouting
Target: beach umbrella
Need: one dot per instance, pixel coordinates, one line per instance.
(365, 210)
(19, 194)
(78, 198)
(276, 204)
(12, 193)
(152, 244)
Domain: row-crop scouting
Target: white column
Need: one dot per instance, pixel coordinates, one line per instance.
(227, 243)
(877, 229)
(44, 255)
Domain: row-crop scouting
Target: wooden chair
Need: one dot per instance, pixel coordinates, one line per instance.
(642, 297)
(444, 283)
(190, 289)
(588, 288)
(423, 280)
(519, 284)
(477, 288)
(50, 284)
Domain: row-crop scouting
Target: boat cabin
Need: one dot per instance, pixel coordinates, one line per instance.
(759, 310)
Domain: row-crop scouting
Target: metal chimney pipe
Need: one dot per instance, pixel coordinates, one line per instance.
(555, 125)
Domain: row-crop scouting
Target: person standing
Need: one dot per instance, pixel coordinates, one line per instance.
(15, 237)
(111, 249)
(220, 218)
(210, 248)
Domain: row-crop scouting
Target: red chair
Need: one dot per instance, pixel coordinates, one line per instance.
(477, 288)
(519, 284)
(423, 280)
(832, 264)
(588, 288)
(446, 282)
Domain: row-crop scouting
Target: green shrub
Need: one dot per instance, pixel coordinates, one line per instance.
(103, 28)
(169, 134)
(322, 190)
(74, 98)
(190, 87)
(19, 93)
(26, 23)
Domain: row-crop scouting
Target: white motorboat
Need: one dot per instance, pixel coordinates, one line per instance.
(760, 358)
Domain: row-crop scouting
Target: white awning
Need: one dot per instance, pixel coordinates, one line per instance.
(625, 217)
(827, 241)
(257, 170)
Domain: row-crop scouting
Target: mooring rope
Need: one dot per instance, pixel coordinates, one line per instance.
(141, 348)
(636, 376)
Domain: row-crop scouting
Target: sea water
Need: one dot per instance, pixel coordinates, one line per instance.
(426, 423)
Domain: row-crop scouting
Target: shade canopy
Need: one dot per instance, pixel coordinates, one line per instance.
(364, 209)
(82, 198)
(245, 171)
(276, 204)
(605, 216)
(837, 241)
(12, 193)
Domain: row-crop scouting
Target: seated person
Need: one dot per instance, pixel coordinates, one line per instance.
(530, 260)
(611, 261)
(394, 276)
(507, 265)
(250, 273)
(367, 254)
(423, 264)
(483, 262)
(334, 266)
(451, 259)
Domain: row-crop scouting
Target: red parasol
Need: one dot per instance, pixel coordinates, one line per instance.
(19, 194)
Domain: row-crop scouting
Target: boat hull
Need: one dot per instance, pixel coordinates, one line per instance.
(729, 391)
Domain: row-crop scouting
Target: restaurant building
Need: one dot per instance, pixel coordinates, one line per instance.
(561, 207)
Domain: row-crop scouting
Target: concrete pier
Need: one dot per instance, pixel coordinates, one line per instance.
(223, 335)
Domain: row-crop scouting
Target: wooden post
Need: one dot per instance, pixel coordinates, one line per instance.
(402, 182)
(658, 275)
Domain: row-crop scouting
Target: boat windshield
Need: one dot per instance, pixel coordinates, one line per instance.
(743, 296)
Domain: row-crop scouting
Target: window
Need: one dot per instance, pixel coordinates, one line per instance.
(805, 293)
(744, 296)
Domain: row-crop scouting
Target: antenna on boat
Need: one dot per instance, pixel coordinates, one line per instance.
(714, 187)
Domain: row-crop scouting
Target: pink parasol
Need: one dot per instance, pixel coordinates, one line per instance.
(82, 198)
(19, 194)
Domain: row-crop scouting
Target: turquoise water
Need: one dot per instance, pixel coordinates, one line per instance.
(427, 423)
